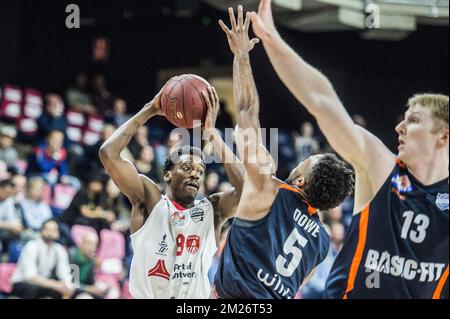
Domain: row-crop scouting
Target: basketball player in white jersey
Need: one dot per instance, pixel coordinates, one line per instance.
(173, 236)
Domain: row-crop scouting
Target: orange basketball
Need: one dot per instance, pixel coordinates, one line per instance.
(182, 101)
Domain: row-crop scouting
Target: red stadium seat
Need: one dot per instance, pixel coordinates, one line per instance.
(126, 290)
(11, 105)
(90, 138)
(75, 118)
(112, 283)
(112, 245)
(63, 196)
(74, 134)
(95, 123)
(33, 104)
(47, 194)
(27, 126)
(79, 231)
(6, 272)
(111, 253)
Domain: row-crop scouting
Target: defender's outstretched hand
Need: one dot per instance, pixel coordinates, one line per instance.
(262, 22)
(238, 38)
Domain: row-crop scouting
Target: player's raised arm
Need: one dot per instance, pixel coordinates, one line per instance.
(228, 201)
(258, 162)
(139, 189)
(316, 93)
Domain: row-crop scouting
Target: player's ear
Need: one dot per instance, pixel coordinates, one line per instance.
(300, 182)
(167, 177)
(444, 137)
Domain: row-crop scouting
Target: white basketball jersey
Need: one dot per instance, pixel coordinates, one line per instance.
(173, 252)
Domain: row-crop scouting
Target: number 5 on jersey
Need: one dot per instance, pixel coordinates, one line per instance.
(290, 249)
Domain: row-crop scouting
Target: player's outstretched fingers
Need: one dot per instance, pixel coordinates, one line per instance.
(232, 19)
(224, 27)
(240, 17)
(247, 21)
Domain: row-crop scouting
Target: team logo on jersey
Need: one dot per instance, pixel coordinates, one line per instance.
(197, 214)
(401, 185)
(193, 244)
(442, 201)
(159, 270)
(163, 247)
(180, 218)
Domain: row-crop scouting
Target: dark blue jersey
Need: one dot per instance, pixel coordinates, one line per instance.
(398, 246)
(270, 258)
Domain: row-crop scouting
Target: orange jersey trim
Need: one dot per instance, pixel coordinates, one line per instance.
(441, 283)
(311, 210)
(363, 224)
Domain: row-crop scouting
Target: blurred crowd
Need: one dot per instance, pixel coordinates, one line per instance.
(59, 208)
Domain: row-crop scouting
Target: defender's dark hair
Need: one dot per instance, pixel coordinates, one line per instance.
(330, 182)
(174, 156)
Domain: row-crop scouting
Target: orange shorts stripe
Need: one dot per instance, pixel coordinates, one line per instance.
(363, 223)
(441, 283)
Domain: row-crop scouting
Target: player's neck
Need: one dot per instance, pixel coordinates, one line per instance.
(431, 170)
(185, 203)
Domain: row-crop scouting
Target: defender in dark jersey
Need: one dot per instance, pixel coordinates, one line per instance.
(397, 246)
(278, 238)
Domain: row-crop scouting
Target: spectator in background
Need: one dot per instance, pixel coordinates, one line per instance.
(145, 164)
(315, 288)
(212, 183)
(139, 141)
(49, 160)
(10, 221)
(334, 215)
(118, 115)
(8, 153)
(92, 159)
(84, 257)
(77, 96)
(101, 96)
(116, 202)
(162, 150)
(34, 210)
(43, 269)
(53, 117)
(19, 182)
(306, 144)
(89, 207)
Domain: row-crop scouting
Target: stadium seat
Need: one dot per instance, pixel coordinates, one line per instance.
(111, 282)
(11, 105)
(27, 126)
(111, 253)
(112, 245)
(78, 231)
(126, 290)
(90, 138)
(95, 123)
(75, 118)
(33, 104)
(47, 194)
(63, 196)
(75, 134)
(6, 272)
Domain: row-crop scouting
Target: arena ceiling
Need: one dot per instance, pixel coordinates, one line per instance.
(396, 19)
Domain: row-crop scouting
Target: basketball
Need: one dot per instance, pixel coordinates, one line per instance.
(182, 101)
